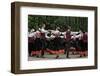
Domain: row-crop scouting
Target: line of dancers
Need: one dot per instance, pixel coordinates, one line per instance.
(43, 41)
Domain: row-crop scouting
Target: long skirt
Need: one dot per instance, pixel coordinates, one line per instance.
(30, 45)
(81, 45)
(55, 46)
(43, 46)
(36, 47)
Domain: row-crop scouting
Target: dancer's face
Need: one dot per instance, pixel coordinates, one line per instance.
(68, 29)
(43, 25)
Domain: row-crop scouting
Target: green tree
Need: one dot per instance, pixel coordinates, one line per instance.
(36, 21)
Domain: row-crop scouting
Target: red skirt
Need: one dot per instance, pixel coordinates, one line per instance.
(35, 52)
(55, 51)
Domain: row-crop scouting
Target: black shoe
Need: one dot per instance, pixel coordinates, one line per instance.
(80, 55)
(57, 56)
(42, 57)
(67, 56)
(37, 56)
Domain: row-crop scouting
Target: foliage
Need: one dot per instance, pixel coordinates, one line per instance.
(76, 23)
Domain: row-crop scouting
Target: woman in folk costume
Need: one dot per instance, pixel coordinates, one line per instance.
(85, 43)
(73, 44)
(57, 42)
(31, 38)
(37, 44)
(81, 43)
(67, 42)
(50, 41)
(43, 40)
